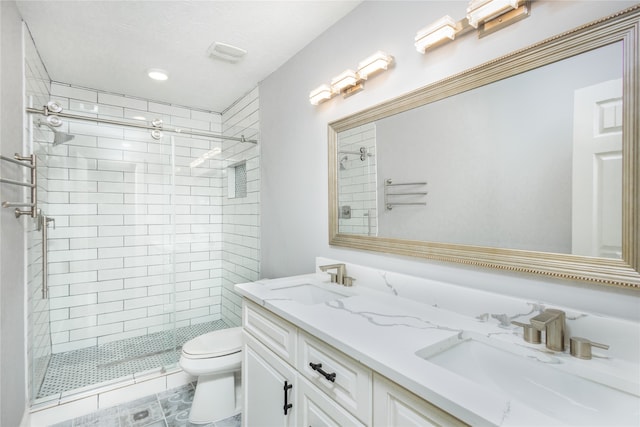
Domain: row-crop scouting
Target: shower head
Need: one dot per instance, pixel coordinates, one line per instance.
(58, 137)
(61, 138)
(343, 159)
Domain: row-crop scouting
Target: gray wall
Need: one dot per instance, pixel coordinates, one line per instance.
(13, 398)
(294, 136)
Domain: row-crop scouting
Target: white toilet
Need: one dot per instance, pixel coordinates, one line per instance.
(215, 358)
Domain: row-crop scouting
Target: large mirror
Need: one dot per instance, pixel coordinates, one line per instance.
(526, 163)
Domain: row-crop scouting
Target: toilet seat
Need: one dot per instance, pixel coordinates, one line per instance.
(218, 343)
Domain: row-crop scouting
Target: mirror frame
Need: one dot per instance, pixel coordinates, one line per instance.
(623, 26)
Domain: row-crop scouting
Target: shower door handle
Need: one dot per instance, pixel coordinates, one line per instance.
(43, 224)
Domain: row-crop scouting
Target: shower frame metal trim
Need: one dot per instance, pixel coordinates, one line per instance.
(46, 112)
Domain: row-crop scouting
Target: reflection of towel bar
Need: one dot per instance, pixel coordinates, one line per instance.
(389, 205)
(389, 183)
(422, 193)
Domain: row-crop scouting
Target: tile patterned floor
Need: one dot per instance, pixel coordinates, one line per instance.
(167, 409)
(80, 368)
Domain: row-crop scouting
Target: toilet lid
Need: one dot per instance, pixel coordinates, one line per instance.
(214, 344)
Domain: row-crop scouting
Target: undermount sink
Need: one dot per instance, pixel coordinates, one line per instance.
(530, 377)
(306, 293)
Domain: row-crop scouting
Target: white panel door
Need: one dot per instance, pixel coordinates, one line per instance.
(597, 171)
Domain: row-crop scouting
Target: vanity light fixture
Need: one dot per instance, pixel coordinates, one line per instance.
(486, 16)
(443, 29)
(379, 61)
(349, 82)
(344, 80)
(480, 11)
(320, 94)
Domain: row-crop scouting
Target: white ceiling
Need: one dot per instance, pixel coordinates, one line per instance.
(109, 45)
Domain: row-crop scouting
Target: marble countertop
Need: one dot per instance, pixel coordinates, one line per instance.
(385, 332)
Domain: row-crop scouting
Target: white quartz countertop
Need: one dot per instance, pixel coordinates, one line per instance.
(384, 332)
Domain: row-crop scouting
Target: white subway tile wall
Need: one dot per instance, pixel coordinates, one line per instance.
(241, 226)
(357, 181)
(37, 93)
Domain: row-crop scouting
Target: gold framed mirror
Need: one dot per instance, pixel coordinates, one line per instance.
(376, 216)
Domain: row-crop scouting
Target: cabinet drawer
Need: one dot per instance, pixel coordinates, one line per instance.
(317, 410)
(351, 386)
(276, 333)
(396, 406)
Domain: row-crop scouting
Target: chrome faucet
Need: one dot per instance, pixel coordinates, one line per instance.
(340, 276)
(552, 321)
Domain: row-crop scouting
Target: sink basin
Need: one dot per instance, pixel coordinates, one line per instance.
(530, 377)
(305, 293)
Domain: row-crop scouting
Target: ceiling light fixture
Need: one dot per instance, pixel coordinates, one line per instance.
(349, 82)
(157, 74)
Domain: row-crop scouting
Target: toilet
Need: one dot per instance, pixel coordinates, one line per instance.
(215, 358)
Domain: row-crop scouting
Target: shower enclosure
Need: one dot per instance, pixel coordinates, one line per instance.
(141, 233)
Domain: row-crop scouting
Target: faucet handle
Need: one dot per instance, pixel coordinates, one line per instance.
(581, 347)
(530, 334)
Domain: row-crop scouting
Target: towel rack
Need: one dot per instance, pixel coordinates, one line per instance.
(33, 206)
(390, 201)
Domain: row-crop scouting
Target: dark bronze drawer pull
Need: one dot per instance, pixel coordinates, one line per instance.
(287, 405)
(318, 367)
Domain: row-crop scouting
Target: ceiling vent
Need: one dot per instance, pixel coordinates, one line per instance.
(226, 52)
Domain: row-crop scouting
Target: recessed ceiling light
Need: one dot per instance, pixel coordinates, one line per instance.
(157, 74)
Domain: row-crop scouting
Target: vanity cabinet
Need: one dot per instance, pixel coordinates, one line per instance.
(396, 406)
(283, 365)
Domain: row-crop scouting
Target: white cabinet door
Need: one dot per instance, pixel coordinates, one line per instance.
(316, 409)
(397, 407)
(269, 387)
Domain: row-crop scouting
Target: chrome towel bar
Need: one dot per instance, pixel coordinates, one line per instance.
(33, 206)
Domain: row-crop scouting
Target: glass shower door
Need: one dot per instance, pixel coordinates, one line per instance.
(111, 256)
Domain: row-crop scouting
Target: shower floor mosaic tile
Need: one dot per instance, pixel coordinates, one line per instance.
(167, 409)
(93, 365)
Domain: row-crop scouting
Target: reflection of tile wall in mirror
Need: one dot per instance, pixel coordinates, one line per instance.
(357, 177)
